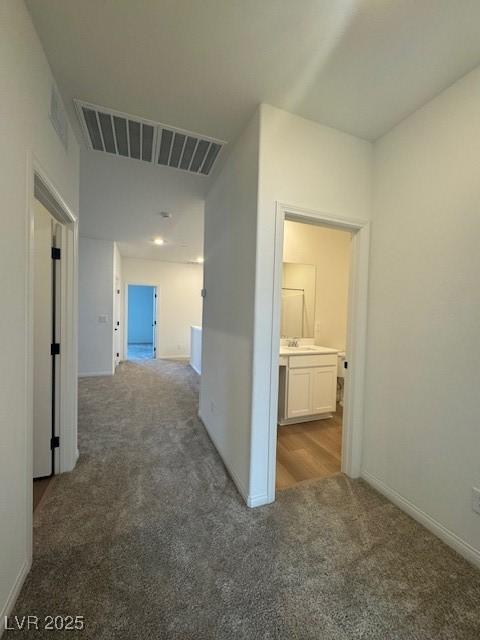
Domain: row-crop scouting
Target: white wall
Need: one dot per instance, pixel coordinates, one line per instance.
(25, 129)
(329, 251)
(95, 299)
(179, 303)
(422, 437)
(313, 167)
(230, 231)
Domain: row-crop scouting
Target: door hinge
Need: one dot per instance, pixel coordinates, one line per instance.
(118, 323)
(203, 293)
(154, 323)
(345, 365)
(56, 253)
(55, 442)
(118, 355)
(55, 349)
(118, 290)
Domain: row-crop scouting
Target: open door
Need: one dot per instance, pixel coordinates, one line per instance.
(154, 322)
(48, 238)
(58, 245)
(42, 340)
(116, 320)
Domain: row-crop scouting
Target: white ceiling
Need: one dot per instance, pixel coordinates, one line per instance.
(204, 65)
(121, 199)
(358, 65)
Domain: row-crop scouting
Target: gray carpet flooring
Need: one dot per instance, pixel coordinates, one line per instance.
(148, 538)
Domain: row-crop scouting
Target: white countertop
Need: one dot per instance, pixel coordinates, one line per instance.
(305, 350)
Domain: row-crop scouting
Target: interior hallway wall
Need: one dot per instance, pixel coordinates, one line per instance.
(25, 131)
(230, 237)
(422, 436)
(95, 307)
(329, 250)
(179, 303)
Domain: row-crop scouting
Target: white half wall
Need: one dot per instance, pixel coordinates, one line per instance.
(196, 348)
(422, 417)
(179, 301)
(230, 238)
(26, 133)
(95, 307)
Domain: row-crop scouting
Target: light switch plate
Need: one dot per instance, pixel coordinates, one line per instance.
(476, 499)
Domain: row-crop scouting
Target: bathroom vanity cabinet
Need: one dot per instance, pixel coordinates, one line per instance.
(308, 384)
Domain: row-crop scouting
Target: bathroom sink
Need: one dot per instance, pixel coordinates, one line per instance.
(304, 349)
(300, 348)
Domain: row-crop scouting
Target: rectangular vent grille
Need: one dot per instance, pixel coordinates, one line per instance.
(58, 117)
(123, 135)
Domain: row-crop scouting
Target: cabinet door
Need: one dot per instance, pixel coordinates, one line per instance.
(299, 393)
(323, 389)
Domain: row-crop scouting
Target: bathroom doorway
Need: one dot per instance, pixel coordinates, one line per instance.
(313, 330)
(141, 322)
(309, 394)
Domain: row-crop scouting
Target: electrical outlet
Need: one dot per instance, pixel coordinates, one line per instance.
(476, 499)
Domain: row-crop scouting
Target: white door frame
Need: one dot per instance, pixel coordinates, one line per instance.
(67, 429)
(125, 316)
(356, 335)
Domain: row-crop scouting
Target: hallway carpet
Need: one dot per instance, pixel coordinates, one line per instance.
(148, 538)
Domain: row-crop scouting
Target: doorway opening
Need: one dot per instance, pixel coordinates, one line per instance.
(321, 381)
(141, 323)
(313, 329)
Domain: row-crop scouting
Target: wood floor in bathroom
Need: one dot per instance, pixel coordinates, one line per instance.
(309, 450)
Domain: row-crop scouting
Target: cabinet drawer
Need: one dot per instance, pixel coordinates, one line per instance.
(317, 360)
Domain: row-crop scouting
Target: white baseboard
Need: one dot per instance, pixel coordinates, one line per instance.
(451, 539)
(95, 374)
(179, 357)
(195, 369)
(259, 500)
(13, 595)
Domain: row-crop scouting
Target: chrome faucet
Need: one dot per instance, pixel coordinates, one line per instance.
(293, 342)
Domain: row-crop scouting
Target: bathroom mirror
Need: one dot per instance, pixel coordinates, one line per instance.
(298, 300)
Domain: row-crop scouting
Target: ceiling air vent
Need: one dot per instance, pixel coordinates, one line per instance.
(132, 137)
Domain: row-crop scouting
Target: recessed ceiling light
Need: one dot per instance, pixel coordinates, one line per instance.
(159, 241)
